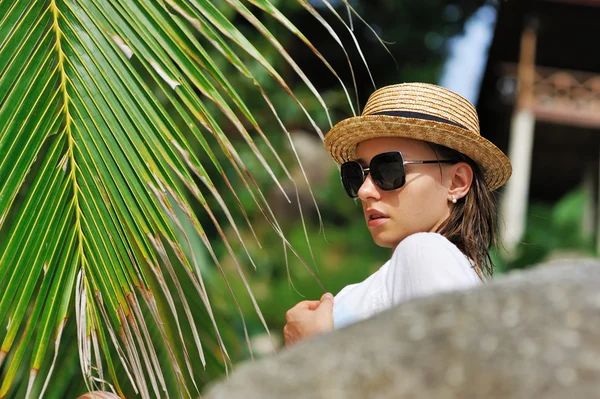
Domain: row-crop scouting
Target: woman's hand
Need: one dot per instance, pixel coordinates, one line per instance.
(308, 318)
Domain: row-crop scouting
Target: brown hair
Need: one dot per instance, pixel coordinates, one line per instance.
(472, 224)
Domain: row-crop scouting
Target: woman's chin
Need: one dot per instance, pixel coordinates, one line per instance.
(385, 242)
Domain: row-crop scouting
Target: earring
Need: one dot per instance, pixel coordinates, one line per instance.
(453, 199)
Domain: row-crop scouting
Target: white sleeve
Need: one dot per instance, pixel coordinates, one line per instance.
(425, 264)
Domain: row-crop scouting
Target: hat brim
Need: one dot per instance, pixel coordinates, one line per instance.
(344, 137)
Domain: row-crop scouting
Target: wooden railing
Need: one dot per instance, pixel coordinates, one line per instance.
(561, 96)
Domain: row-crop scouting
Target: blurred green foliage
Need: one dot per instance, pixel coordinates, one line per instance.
(552, 230)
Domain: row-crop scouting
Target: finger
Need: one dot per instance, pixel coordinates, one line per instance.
(311, 305)
(286, 335)
(326, 304)
(300, 307)
(290, 334)
(327, 295)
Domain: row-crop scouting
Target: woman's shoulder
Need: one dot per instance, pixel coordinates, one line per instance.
(426, 251)
(425, 241)
(426, 263)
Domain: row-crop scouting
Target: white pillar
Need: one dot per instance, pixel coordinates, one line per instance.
(513, 206)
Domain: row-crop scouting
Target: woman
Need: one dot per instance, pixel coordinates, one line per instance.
(425, 176)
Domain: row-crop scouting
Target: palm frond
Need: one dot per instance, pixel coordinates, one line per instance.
(101, 105)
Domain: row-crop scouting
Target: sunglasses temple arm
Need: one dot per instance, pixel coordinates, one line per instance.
(432, 161)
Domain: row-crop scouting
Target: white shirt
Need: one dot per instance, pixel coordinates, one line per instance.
(422, 264)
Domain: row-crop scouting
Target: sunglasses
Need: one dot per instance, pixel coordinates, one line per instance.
(387, 172)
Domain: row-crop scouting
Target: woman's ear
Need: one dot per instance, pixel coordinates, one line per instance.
(462, 177)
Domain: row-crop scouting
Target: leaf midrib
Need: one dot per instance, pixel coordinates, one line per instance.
(67, 129)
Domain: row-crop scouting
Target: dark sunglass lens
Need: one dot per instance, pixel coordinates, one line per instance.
(387, 171)
(352, 178)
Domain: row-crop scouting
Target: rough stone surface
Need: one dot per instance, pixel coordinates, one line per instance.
(534, 334)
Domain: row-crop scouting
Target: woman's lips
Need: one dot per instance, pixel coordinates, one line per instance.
(377, 222)
(375, 217)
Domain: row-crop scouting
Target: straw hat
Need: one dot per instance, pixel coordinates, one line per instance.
(424, 112)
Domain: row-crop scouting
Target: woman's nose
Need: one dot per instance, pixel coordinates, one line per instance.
(368, 189)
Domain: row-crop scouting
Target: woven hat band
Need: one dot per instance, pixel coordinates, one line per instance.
(419, 115)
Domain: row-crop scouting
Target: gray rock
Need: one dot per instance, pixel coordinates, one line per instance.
(534, 334)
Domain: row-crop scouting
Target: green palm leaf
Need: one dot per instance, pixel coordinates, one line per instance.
(98, 182)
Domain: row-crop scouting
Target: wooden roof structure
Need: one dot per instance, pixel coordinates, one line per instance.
(566, 88)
